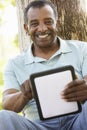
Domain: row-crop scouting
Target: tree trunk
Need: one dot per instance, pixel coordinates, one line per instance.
(73, 19)
(72, 16)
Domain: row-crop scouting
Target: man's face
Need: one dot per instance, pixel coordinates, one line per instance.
(42, 26)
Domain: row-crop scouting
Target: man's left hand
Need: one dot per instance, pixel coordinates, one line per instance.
(75, 91)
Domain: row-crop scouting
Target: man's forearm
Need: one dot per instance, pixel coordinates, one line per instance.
(14, 101)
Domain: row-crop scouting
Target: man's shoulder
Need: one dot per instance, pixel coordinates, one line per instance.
(18, 59)
(75, 46)
(76, 42)
(73, 42)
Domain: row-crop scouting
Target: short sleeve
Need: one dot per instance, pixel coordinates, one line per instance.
(10, 80)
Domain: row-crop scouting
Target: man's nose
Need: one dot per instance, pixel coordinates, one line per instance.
(42, 27)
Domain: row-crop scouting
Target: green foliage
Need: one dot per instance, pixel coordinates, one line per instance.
(1, 97)
(2, 63)
(0, 21)
(1, 71)
(15, 41)
(1, 12)
(13, 2)
(1, 79)
(1, 82)
(2, 6)
(5, 3)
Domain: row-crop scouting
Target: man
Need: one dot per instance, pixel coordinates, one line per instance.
(47, 51)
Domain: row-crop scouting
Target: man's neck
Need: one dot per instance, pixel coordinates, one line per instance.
(46, 53)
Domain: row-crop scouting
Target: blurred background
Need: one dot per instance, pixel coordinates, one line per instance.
(8, 35)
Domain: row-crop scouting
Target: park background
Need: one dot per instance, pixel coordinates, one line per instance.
(8, 36)
(13, 39)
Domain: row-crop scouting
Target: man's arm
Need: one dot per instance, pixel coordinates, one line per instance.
(15, 100)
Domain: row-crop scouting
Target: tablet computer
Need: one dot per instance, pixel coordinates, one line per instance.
(47, 86)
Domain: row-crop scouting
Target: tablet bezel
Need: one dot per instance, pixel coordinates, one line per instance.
(48, 72)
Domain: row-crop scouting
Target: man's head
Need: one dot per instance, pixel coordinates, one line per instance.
(39, 4)
(41, 22)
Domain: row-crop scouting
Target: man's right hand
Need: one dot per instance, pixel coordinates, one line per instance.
(26, 89)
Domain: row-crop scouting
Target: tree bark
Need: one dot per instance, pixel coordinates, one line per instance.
(23, 38)
(73, 19)
(71, 13)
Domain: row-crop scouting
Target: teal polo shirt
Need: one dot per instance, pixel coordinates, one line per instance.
(19, 69)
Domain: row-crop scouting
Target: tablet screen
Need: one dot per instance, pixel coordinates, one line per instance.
(47, 87)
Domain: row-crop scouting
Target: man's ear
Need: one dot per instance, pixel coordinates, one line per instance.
(26, 28)
(58, 23)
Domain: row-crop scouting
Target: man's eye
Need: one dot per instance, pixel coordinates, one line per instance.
(33, 24)
(48, 22)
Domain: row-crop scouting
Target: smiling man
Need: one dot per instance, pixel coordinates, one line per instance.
(42, 29)
(47, 51)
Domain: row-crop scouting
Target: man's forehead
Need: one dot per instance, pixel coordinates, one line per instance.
(36, 12)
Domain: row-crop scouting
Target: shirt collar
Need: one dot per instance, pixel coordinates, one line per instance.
(64, 47)
(29, 58)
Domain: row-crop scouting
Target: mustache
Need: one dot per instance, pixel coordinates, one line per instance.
(43, 33)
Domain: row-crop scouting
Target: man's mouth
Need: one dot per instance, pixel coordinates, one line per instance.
(43, 36)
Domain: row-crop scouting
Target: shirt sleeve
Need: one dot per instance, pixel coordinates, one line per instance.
(10, 80)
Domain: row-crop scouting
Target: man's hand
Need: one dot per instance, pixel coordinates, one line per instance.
(75, 91)
(26, 89)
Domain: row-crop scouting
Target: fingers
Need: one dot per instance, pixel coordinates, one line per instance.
(75, 91)
(77, 96)
(26, 90)
(25, 86)
(75, 83)
(72, 87)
